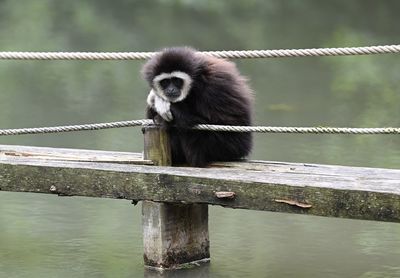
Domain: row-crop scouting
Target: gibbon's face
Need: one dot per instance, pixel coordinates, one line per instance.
(173, 86)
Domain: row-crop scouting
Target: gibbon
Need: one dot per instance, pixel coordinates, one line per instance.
(190, 88)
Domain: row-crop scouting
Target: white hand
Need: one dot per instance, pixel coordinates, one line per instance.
(161, 106)
(150, 98)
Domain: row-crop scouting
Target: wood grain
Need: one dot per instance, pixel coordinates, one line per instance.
(334, 191)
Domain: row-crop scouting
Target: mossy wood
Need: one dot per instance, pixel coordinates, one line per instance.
(334, 191)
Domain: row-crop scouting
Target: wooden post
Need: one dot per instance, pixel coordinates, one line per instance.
(174, 235)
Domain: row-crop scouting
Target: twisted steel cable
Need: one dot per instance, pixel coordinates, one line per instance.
(222, 128)
(341, 51)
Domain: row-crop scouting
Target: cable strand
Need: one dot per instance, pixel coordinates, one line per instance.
(235, 54)
(220, 128)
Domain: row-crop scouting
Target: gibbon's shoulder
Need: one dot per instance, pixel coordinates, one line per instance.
(224, 76)
(222, 71)
(216, 65)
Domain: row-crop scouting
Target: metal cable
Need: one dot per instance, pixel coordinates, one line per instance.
(260, 129)
(341, 51)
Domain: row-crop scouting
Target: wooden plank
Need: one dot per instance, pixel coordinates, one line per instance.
(325, 190)
(7, 151)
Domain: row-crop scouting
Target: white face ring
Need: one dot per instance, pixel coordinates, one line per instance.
(187, 83)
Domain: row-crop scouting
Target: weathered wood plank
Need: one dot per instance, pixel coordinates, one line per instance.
(335, 191)
(8, 151)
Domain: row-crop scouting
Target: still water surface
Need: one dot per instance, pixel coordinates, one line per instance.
(47, 236)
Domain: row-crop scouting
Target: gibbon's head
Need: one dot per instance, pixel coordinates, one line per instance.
(171, 73)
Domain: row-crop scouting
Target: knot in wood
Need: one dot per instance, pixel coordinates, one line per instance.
(225, 194)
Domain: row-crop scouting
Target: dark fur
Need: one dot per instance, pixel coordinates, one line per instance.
(219, 95)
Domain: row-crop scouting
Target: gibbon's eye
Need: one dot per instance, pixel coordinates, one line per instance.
(178, 82)
(164, 83)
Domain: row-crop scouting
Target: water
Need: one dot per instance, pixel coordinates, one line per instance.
(49, 236)
(46, 236)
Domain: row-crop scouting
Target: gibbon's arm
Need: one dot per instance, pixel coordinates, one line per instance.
(225, 106)
(163, 108)
(150, 98)
(184, 117)
(159, 106)
(151, 113)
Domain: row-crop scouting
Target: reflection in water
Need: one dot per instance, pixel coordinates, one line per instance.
(202, 271)
(46, 236)
(49, 236)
